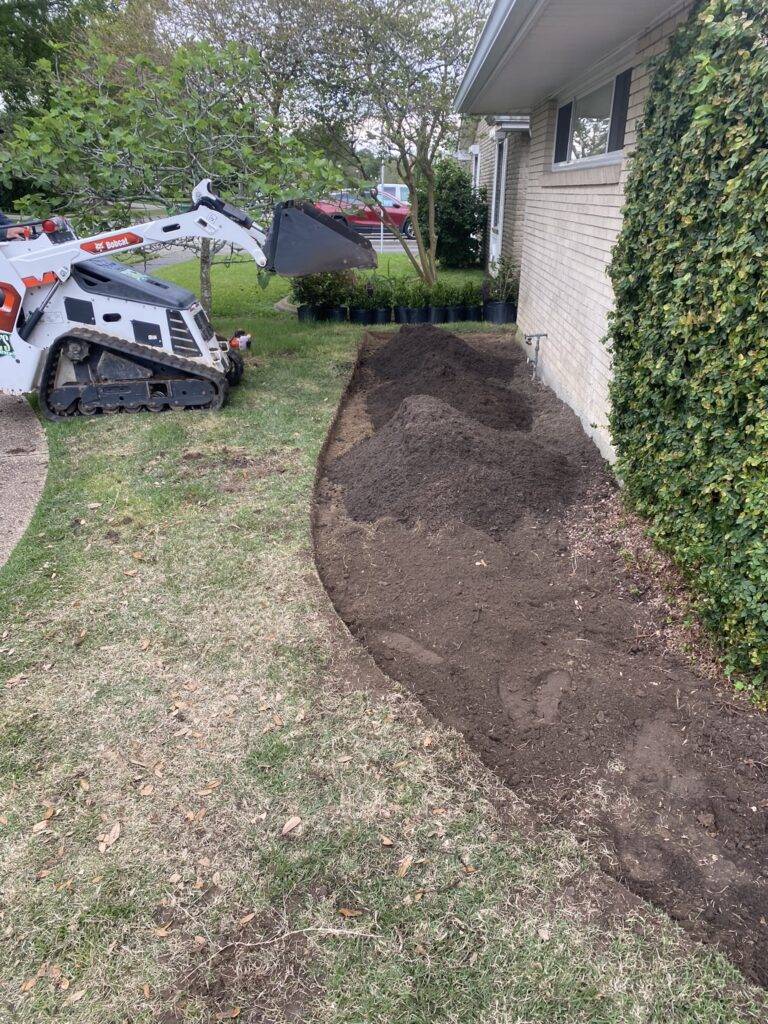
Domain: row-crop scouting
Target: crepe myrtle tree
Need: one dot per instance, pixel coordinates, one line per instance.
(114, 142)
(404, 61)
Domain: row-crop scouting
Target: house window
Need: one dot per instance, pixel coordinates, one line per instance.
(498, 182)
(593, 125)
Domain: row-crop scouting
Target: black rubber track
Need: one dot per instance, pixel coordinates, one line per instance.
(187, 369)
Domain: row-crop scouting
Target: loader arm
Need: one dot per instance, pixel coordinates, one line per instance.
(38, 266)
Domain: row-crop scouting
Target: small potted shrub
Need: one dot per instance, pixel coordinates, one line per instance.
(382, 298)
(401, 299)
(361, 303)
(501, 292)
(454, 304)
(438, 300)
(418, 311)
(472, 300)
(304, 293)
(333, 290)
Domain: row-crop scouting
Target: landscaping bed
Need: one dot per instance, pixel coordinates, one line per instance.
(457, 535)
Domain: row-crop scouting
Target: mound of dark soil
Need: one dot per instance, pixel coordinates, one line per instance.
(502, 408)
(426, 353)
(474, 588)
(432, 464)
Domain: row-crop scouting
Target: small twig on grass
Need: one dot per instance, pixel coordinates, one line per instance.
(345, 933)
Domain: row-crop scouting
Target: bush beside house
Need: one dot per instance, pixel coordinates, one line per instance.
(690, 353)
(461, 215)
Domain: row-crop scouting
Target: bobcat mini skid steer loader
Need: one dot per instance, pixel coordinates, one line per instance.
(92, 335)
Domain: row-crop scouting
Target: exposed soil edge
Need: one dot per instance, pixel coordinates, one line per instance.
(23, 469)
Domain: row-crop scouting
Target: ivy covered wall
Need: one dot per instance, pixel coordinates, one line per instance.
(689, 334)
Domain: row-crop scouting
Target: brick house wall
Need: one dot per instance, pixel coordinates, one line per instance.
(570, 224)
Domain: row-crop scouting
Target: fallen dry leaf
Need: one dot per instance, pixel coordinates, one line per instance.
(94, 504)
(75, 997)
(80, 637)
(28, 984)
(130, 572)
(544, 933)
(109, 838)
(386, 841)
(144, 644)
(40, 825)
(345, 760)
(84, 784)
(147, 789)
(229, 1014)
(404, 866)
(162, 931)
(247, 918)
(290, 825)
(346, 912)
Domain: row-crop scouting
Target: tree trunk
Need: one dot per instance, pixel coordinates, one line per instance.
(205, 275)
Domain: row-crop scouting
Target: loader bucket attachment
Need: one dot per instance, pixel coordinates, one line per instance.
(302, 240)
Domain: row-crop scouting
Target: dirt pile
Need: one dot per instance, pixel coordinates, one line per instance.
(481, 580)
(423, 354)
(431, 464)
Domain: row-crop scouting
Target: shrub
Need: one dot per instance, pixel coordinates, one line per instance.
(690, 387)
(401, 291)
(503, 282)
(361, 296)
(441, 294)
(382, 291)
(331, 289)
(418, 294)
(461, 215)
(471, 294)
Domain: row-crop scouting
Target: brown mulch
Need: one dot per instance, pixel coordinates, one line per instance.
(452, 504)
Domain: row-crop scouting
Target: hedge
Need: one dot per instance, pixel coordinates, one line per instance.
(688, 335)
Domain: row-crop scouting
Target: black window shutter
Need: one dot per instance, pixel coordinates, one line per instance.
(619, 112)
(563, 133)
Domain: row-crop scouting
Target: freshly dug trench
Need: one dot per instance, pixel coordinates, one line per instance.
(456, 553)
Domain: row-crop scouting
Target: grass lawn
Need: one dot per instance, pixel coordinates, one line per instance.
(203, 818)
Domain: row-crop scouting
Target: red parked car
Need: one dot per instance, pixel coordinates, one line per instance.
(346, 207)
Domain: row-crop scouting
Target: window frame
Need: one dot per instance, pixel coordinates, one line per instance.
(571, 99)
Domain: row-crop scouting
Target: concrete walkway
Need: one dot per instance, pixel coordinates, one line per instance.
(23, 466)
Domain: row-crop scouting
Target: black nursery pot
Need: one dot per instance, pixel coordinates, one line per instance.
(453, 314)
(418, 314)
(500, 312)
(401, 314)
(360, 316)
(382, 315)
(473, 312)
(307, 314)
(336, 314)
(436, 314)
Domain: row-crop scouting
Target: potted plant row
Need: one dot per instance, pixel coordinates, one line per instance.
(322, 296)
(376, 299)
